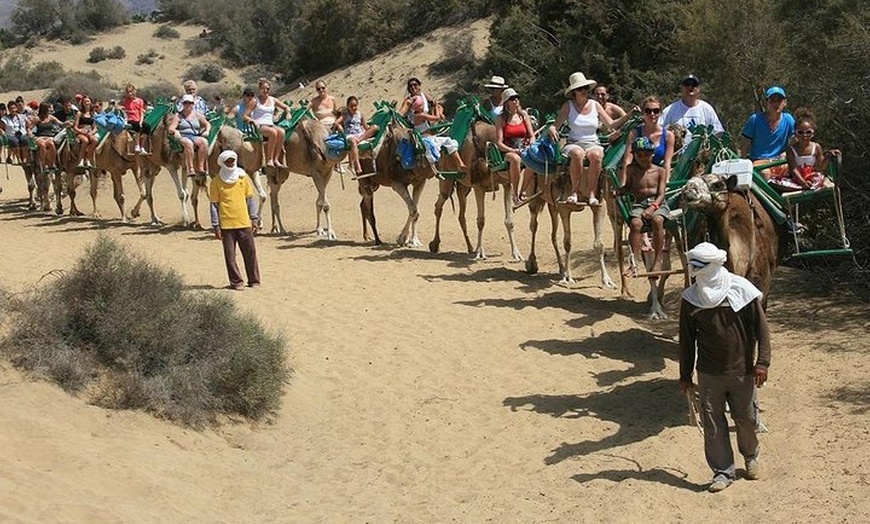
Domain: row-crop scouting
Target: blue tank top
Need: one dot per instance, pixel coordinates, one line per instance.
(659, 152)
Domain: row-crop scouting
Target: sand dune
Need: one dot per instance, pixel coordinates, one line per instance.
(430, 387)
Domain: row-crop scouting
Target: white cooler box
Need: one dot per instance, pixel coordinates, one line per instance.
(736, 167)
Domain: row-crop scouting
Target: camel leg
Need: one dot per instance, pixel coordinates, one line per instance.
(535, 207)
(554, 240)
(31, 186)
(94, 179)
(405, 238)
(149, 197)
(143, 191)
(367, 210)
(256, 178)
(509, 222)
(181, 192)
(275, 206)
(565, 269)
(598, 215)
(57, 180)
(480, 200)
(445, 189)
(462, 196)
(72, 187)
(118, 194)
(415, 196)
(320, 182)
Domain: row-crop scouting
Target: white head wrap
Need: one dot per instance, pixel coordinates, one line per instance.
(713, 283)
(229, 174)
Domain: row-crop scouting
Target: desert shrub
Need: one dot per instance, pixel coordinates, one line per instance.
(147, 58)
(207, 72)
(198, 46)
(98, 54)
(99, 15)
(46, 73)
(162, 89)
(166, 32)
(117, 53)
(127, 330)
(75, 82)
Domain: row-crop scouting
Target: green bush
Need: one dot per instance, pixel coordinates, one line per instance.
(208, 72)
(117, 53)
(98, 54)
(162, 89)
(166, 32)
(128, 331)
(198, 46)
(90, 83)
(147, 58)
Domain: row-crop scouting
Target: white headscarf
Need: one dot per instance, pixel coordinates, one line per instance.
(229, 174)
(713, 283)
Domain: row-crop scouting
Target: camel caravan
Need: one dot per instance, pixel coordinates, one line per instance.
(666, 178)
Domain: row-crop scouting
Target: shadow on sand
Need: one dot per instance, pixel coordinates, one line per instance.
(640, 409)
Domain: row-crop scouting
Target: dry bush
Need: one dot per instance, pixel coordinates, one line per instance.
(166, 32)
(127, 332)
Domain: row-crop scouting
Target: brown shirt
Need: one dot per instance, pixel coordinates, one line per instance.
(723, 340)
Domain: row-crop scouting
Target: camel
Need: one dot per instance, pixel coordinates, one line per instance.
(550, 190)
(305, 154)
(250, 158)
(71, 176)
(391, 173)
(481, 180)
(738, 223)
(111, 156)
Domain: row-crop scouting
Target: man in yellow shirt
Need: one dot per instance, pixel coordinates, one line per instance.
(234, 218)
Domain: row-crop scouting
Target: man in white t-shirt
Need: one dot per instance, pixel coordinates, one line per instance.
(690, 110)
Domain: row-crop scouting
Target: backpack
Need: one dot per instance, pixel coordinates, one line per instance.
(336, 145)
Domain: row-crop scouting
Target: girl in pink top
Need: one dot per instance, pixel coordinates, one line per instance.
(134, 107)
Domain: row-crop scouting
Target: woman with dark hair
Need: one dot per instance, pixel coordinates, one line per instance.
(47, 126)
(86, 132)
(355, 129)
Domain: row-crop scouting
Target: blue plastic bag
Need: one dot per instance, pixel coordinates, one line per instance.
(407, 153)
(336, 145)
(540, 157)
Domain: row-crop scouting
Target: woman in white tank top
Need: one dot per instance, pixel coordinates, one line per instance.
(260, 111)
(584, 115)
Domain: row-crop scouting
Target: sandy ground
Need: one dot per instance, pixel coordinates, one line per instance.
(430, 387)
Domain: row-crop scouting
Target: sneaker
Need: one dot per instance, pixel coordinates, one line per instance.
(81, 163)
(593, 201)
(137, 150)
(572, 198)
(753, 469)
(718, 485)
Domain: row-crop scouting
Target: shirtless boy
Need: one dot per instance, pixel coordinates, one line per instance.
(646, 182)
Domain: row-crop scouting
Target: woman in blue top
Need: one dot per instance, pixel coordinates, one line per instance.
(766, 135)
(658, 135)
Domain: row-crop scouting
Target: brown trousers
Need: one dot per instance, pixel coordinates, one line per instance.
(245, 239)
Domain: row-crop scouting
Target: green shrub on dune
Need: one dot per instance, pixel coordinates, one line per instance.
(125, 331)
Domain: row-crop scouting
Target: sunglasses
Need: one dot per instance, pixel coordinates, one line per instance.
(698, 263)
(322, 88)
(652, 110)
(191, 90)
(808, 132)
(690, 84)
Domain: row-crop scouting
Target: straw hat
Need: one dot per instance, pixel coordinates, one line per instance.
(496, 82)
(577, 80)
(509, 93)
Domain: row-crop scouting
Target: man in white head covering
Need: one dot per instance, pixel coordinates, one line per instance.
(234, 218)
(722, 321)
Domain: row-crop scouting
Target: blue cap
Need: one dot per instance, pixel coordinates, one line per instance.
(774, 90)
(642, 144)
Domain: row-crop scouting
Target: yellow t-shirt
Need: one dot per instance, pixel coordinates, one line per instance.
(232, 201)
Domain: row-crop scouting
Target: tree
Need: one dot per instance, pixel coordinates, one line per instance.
(34, 17)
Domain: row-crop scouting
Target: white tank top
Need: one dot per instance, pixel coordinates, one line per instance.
(805, 160)
(583, 127)
(423, 126)
(263, 114)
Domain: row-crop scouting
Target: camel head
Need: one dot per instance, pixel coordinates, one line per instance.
(706, 193)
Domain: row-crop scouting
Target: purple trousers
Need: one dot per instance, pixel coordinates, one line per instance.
(244, 238)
